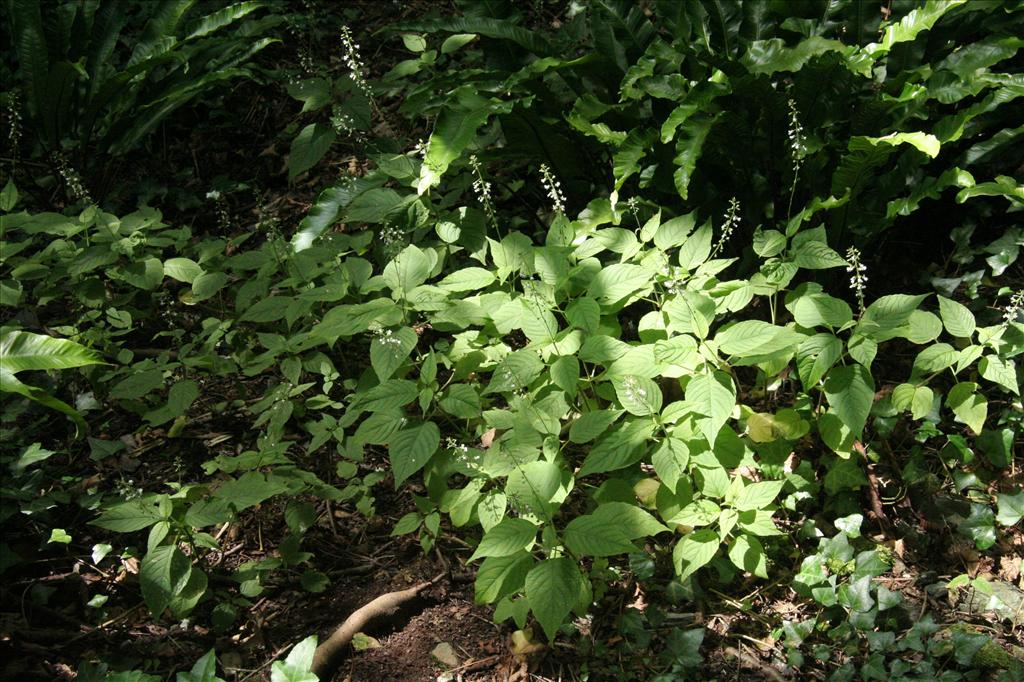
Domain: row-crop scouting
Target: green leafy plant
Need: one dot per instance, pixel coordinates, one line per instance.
(81, 89)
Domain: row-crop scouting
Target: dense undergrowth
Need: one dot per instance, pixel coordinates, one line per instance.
(687, 300)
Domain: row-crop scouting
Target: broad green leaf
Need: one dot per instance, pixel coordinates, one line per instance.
(584, 313)
(959, 321)
(250, 489)
(553, 588)
(814, 309)
(746, 553)
(670, 461)
(509, 537)
(515, 371)
(713, 396)
(815, 356)
(454, 130)
(499, 576)
(491, 509)
(618, 448)
(696, 249)
(695, 550)
(182, 269)
(204, 670)
(409, 523)
(308, 147)
(754, 337)
(590, 425)
(851, 392)
(589, 535)
(618, 281)
(386, 397)
(535, 489)
(349, 320)
(269, 309)
(814, 255)
(689, 146)
(461, 400)
(467, 279)
(331, 202)
(27, 351)
(206, 285)
(134, 515)
(410, 449)
(970, 408)
(295, 668)
(389, 349)
(633, 521)
(565, 373)
(758, 495)
(929, 144)
(638, 395)
(169, 580)
(912, 23)
(999, 371)
(674, 232)
(772, 55)
(407, 270)
(455, 42)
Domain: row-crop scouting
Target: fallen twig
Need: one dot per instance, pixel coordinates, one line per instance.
(327, 654)
(743, 658)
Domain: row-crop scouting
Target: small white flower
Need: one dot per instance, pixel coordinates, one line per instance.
(1014, 308)
(858, 280)
(795, 133)
(553, 187)
(482, 189)
(732, 219)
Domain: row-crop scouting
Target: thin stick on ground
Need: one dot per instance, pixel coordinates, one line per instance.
(328, 654)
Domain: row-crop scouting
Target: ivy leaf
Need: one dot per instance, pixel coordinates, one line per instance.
(410, 449)
(553, 588)
(509, 537)
(851, 391)
(1011, 508)
(747, 553)
(980, 526)
(694, 551)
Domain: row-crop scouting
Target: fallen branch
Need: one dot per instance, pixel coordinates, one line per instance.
(329, 652)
